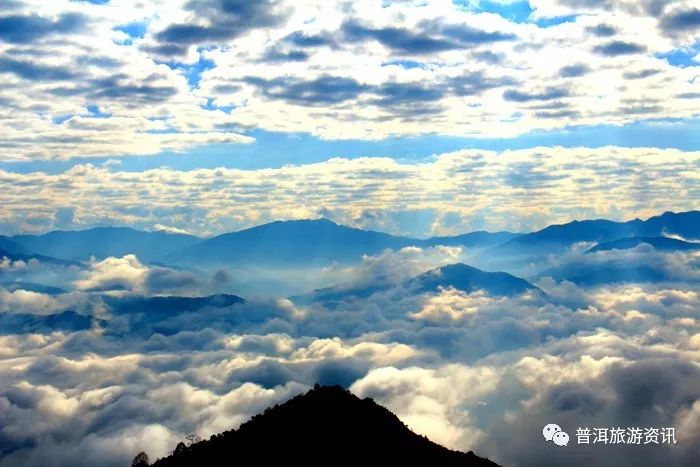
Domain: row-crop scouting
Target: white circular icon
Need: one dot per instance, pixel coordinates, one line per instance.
(549, 430)
(560, 438)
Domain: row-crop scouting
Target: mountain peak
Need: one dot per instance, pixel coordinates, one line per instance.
(325, 426)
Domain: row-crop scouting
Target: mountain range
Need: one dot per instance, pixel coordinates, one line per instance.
(558, 237)
(321, 241)
(327, 426)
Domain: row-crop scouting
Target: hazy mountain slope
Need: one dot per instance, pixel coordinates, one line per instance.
(327, 426)
(10, 246)
(555, 237)
(292, 242)
(659, 243)
(458, 276)
(105, 241)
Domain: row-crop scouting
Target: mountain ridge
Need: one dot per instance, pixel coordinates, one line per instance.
(325, 426)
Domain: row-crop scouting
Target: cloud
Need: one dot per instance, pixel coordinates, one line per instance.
(545, 95)
(681, 20)
(129, 275)
(154, 84)
(518, 190)
(19, 29)
(466, 369)
(617, 48)
(431, 37)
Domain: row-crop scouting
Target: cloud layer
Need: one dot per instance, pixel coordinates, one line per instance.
(124, 77)
(452, 193)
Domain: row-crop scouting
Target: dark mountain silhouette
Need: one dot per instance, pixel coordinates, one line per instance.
(327, 426)
(659, 243)
(557, 237)
(459, 276)
(102, 242)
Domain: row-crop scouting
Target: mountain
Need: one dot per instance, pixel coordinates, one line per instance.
(293, 242)
(468, 279)
(102, 242)
(480, 239)
(320, 241)
(659, 243)
(9, 246)
(29, 323)
(25, 257)
(169, 305)
(32, 287)
(557, 237)
(327, 426)
(609, 273)
(459, 276)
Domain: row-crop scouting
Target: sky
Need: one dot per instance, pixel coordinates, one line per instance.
(106, 105)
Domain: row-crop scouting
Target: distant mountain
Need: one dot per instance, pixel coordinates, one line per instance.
(169, 305)
(29, 323)
(459, 276)
(468, 279)
(659, 243)
(609, 273)
(292, 242)
(10, 246)
(327, 426)
(319, 241)
(478, 239)
(32, 287)
(557, 237)
(102, 242)
(25, 257)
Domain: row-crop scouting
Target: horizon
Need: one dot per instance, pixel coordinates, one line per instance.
(342, 225)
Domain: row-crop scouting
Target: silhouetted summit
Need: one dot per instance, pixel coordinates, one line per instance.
(327, 426)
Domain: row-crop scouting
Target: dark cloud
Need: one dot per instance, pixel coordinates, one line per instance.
(392, 95)
(18, 29)
(225, 19)
(602, 30)
(324, 90)
(276, 55)
(641, 74)
(545, 95)
(573, 71)
(617, 48)
(681, 20)
(430, 37)
(34, 71)
(120, 87)
(299, 39)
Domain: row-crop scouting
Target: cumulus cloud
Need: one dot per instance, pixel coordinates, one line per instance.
(129, 275)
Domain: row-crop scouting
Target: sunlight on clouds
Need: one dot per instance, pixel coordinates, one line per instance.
(516, 190)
